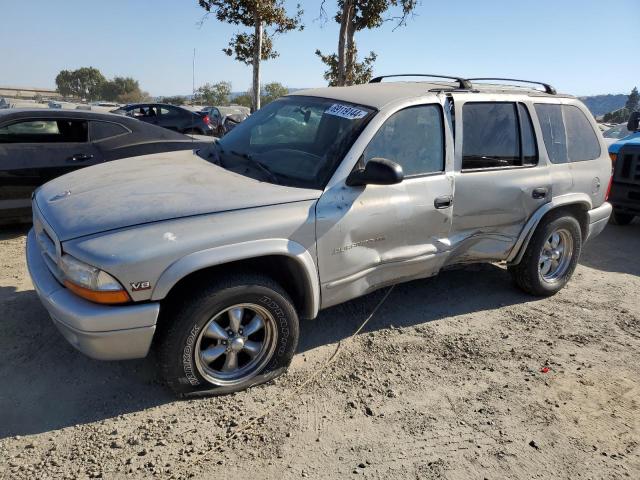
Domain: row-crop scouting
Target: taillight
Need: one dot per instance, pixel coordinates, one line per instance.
(206, 119)
(614, 157)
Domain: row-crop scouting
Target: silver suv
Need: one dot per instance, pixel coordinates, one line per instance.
(211, 257)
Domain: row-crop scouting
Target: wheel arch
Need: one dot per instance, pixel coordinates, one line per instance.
(286, 262)
(577, 205)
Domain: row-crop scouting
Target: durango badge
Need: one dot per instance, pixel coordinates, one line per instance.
(137, 286)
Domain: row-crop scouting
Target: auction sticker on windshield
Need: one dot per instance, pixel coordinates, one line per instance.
(345, 111)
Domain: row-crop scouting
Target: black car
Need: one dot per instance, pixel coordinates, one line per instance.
(174, 118)
(37, 145)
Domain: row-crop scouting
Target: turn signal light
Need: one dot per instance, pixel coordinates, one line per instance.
(107, 296)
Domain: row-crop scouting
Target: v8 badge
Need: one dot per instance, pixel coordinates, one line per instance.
(137, 286)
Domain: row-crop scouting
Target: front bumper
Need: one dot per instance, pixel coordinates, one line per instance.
(598, 218)
(102, 332)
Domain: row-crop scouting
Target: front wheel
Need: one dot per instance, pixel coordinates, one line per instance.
(234, 334)
(551, 256)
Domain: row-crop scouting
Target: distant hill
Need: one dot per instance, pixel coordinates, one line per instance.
(601, 104)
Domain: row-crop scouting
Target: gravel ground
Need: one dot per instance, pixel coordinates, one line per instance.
(457, 377)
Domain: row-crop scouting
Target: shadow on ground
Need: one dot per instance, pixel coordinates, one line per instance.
(616, 249)
(7, 232)
(47, 385)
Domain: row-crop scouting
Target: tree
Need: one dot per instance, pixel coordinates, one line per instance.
(175, 100)
(353, 16)
(121, 89)
(273, 91)
(633, 101)
(246, 99)
(85, 82)
(214, 94)
(252, 48)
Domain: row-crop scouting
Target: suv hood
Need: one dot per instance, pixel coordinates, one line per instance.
(152, 188)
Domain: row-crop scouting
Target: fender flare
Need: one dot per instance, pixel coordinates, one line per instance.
(245, 251)
(517, 252)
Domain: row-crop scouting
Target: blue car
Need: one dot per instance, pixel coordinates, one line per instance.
(625, 186)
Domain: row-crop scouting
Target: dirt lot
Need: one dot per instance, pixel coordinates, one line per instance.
(446, 381)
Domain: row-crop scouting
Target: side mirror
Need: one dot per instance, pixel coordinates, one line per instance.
(377, 171)
(633, 125)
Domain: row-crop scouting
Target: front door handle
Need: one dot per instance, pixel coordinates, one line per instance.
(80, 157)
(539, 193)
(442, 202)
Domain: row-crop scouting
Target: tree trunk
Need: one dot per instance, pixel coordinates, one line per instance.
(351, 54)
(257, 54)
(348, 9)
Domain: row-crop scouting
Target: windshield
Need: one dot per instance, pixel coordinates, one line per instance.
(295, 140)
(619, 131)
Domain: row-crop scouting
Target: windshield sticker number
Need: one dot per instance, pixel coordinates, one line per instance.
(344, 111)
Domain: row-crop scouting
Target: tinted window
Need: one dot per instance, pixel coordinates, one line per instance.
(102, 130)
(529, 147)
(144, 111)
(413, 138)
(490, 135)
(582, 143)
(552, 125)
(44, 131)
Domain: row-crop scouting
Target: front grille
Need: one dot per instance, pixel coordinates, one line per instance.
(628, 165)
(47, 244)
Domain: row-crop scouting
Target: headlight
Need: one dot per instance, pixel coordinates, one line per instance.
(91, 283)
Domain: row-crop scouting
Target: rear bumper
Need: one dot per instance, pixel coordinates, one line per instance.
(625, 198)
(598, 218)
(99, 331)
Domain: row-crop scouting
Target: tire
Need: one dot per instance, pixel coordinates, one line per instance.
(190, 345)
(619, 218)
(544, 278)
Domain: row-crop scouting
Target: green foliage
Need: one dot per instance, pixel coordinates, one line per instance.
(214, 94)
(633, 102)
(271, 13)
(175, 100)
(361, 72)
(353, 16)
(622, 115)
(273, 91)
(246, 100)
(89, 84)
(84, 82)
(122, 89)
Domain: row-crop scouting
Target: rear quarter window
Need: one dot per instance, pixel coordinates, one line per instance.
(103, 130)
(568, 134)
(582, 143)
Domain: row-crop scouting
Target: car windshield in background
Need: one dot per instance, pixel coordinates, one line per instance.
(619, 131)
(296, 141)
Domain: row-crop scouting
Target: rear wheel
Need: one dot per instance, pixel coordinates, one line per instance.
(619, 218)
(237, 333)
(551, 256)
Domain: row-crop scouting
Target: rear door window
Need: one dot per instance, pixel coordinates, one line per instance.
(45, 131)
(497, 135)
(102, 130)
(553, 132)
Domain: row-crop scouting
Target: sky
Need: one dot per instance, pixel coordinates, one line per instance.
(583, 47)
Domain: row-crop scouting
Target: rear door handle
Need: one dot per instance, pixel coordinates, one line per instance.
(80, 157)
(442, 202)
(539, 193)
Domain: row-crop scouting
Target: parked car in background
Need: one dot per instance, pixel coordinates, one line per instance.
(615, 133)
(232, 121)
(37, 145)
(54, 104)
(219, 115)
(4, 104)
(167, 116)
(625, 187)
(318, 198)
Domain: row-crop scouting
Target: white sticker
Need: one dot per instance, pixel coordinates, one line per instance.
(345, 111)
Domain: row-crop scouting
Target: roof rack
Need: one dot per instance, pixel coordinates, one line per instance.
(547, 88)
(462, 82)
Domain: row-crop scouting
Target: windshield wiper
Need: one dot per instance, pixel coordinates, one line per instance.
(258, 165)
